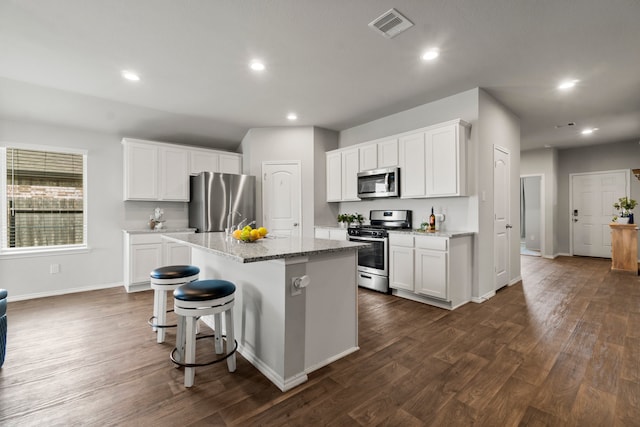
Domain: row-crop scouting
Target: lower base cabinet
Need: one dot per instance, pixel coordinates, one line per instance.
(144, 252)
(431, 269)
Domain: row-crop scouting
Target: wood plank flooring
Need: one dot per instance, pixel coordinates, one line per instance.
(560, 349)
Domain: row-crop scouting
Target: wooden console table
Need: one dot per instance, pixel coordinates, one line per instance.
(624, 247)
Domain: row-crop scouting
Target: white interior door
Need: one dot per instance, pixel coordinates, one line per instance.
(501, 224)
(592, 198)
(281, 199)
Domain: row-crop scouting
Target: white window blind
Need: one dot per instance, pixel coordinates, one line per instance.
(45, 204)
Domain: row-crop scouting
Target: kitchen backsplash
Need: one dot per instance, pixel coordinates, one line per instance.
(136, 214)
(456, 209)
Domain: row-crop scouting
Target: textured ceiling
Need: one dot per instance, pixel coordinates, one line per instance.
(60, 62)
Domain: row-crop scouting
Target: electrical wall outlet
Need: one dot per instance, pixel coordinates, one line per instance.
(54, 269)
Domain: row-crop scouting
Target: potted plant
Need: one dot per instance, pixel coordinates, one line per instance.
(343, 220)
(359, 219)
(625, 206)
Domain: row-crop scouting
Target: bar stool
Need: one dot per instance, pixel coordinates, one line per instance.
(203, 298)
(163, 280)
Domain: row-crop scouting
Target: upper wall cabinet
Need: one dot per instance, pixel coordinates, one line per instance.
(160, 172)
(383, 154)
(433, 161)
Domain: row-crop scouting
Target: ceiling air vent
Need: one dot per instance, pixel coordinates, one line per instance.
(390, 24)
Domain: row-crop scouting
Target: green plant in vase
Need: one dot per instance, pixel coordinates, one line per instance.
(625, 205)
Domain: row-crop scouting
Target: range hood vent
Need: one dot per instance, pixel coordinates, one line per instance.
(390, 24)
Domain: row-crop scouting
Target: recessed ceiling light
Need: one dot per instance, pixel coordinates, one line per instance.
(130, 75)
(292, 116)
(567, 84)
(430, 55)
(588, 131)
(256, 65)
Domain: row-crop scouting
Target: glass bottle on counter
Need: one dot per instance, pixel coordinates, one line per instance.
(432, 221)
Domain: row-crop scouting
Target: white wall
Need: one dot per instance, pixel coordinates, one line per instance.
(544, 162)
(497, 127)
(532, 212)
(323, 140)
(102, 265)
(279, 144)
(603, 157)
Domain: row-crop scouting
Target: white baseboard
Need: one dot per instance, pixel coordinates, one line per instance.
(483, 298)
(515, 280)
(62, 292)
(331, 360)
(283, 384)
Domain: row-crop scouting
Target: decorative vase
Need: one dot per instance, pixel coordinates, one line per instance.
(631, 218)
(623, 220)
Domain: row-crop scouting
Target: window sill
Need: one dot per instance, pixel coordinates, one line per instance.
(30, 253)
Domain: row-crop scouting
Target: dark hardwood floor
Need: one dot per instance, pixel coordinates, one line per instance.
(560, 349)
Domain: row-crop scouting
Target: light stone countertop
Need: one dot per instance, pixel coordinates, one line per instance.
(449, 234)
(160, 230)
(264, 249)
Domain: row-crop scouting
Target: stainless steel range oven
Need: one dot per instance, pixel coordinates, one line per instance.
(373, 262)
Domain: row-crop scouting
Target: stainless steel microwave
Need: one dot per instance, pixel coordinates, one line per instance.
(379, 183)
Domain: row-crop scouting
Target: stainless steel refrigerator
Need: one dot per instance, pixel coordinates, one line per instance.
(218, 197)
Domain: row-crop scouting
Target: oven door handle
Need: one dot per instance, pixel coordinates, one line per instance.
(367, 239)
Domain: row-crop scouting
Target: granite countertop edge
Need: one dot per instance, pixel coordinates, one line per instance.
(159, 231)
(450, 234)
(258, 258)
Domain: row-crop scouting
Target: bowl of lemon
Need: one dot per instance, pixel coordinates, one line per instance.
(248, 234)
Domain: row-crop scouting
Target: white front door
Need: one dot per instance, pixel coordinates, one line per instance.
(501, 225)
(592, 198)
(281, 208)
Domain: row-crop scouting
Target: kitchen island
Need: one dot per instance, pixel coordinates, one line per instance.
(283, 326)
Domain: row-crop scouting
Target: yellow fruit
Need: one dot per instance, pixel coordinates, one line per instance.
(263, 231)
(255, 234)
(247, 228)
(236, 234)
(245, 235)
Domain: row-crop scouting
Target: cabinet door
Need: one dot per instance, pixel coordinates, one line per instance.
(203, 161)
(401, 268)
(230, 163)
(176, 254)
(388, 153)
(174, 174)
(350, 169)
(412, 166)
(140, 171)
(144, 258)
(431, 273)
(443, 162)
(334, 177)
(368, 157)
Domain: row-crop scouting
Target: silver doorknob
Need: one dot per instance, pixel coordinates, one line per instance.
(509, 226)
(295, 224)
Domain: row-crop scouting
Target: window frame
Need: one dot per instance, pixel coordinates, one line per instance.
(6, 252)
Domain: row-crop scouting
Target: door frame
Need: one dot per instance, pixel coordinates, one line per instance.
(627, 175)
(284, 162)
(543, 229)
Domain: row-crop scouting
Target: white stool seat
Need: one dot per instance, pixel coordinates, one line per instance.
(163, 280)
(203, 298)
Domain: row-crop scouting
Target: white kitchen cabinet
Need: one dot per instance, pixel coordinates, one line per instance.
(420, 269)
(174, 174)
(144, 252)
(350, 169)
(431, 273)
(140, 171)
(154, 171)
(368, 157)
(446, 161)
(230, 163)
(412, 166)
(203, 161)
(387, 153)
(334, 176)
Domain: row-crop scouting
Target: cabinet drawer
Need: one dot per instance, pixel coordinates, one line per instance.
(435, 243)
(143, 239)
(405, 240)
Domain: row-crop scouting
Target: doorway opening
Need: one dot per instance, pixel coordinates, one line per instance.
(531, 215)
